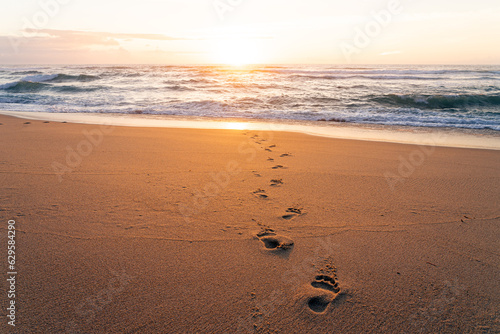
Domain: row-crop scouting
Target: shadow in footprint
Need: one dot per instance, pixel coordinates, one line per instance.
(277, 242)
(293, 212)
(318, 304)
(260, 193)
(273, 242)
(276, 182)
(278, 167)
(330, 293)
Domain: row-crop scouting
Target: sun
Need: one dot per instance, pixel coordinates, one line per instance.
(237, 52)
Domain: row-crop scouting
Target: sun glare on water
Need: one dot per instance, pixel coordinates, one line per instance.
(237, 52)
(236, 126)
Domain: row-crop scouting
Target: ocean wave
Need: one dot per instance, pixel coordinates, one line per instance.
(26, 73)
(458, 96)
(368, 71)
(364, 72)
(180, 88)
(57, 78)
(188, 81)
(75, 89)
(24, 87)
(35, 87)
(438, 101)
(369, 77)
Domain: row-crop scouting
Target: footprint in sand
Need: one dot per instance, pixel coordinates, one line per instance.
(331, 289)
(260, 193)
(270, 159)
(293, 212)
(286, 155)
(255, 173)
(276, 182)
(274, 242)
(27, 123)
(278, 167)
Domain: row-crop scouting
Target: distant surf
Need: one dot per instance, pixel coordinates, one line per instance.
(462, 97)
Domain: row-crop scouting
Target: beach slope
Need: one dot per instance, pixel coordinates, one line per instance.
(150, 230)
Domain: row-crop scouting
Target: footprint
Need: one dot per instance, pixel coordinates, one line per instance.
(256, 173)
(330, 290)
(27, 123)
(265, 232)
(272, 146)
(268, 159)
(260, 193)
(286, 155)
(274, 242)
(278, 167)
(327, 283)
(268, 150)
(318, 304)
(276, 182)
(293, 212)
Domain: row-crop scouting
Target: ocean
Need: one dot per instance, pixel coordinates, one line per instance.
(460, 97)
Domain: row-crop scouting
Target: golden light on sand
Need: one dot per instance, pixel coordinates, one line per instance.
(236, 126)
(237, 52)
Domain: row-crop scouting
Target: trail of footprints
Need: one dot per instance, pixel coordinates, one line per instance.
(325, 283)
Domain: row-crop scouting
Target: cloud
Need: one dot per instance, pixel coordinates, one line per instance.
(97, 37)
(50, 45)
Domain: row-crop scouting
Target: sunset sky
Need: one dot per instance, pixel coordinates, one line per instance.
(250, 31)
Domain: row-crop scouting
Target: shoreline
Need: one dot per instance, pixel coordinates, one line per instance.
(438, 137)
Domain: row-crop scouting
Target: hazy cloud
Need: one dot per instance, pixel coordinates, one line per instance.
(98, 37)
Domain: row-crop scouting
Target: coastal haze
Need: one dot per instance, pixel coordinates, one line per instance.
(232, 166)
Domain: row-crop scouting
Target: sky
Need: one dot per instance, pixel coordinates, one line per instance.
(242, 32)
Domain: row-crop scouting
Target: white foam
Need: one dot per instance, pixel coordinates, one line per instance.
(433, 137)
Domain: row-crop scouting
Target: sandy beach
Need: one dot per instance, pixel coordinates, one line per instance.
(151, 230)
